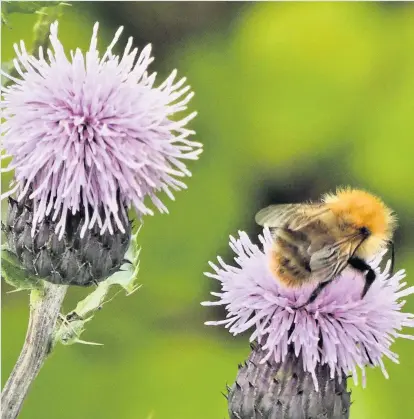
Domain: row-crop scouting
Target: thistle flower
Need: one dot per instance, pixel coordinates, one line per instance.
(338, 330)
(90, 136)
(94, 134)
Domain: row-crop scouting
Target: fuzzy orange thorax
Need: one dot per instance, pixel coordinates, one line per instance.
(362, 209)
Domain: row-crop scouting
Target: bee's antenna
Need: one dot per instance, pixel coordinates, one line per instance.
(392, 256)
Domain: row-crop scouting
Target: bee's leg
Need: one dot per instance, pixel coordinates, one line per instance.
(362, 266)
(315, 293)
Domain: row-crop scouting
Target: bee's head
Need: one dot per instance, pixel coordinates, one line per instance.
(365, 213)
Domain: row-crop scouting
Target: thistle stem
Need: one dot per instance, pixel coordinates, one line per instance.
(44, 310)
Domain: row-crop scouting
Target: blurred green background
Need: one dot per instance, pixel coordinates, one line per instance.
(293, 100)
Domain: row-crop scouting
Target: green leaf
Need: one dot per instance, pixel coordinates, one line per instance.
(15, 275)
(41, 29)
(28, 7)
(69, 330)
(129, 279)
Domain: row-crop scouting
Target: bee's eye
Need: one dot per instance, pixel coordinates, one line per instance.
(364, 231)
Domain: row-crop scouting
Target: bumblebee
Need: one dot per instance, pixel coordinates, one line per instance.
(314, 242)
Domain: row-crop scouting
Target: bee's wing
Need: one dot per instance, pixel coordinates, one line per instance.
(330, 260)
(294, 215)
(277, 215)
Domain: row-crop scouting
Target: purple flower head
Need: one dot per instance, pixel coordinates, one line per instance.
(338, 329)
(92, 133)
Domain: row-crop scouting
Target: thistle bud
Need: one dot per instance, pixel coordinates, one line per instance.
(285, 391)
(71, 260)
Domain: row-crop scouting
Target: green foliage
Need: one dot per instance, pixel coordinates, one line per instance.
(47, 15)
(69, 329)
(293, 99)
(15, 275)
(28, 7)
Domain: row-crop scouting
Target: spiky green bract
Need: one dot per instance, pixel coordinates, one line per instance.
(72, 260)
(285, 391)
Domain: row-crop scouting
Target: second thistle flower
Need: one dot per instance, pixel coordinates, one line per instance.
(90, 136)
(314, 347)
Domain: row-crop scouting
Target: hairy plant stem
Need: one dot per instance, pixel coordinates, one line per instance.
(45, 307)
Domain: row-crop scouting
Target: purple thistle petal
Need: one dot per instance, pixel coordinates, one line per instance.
(86, 129)
(355, 332)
